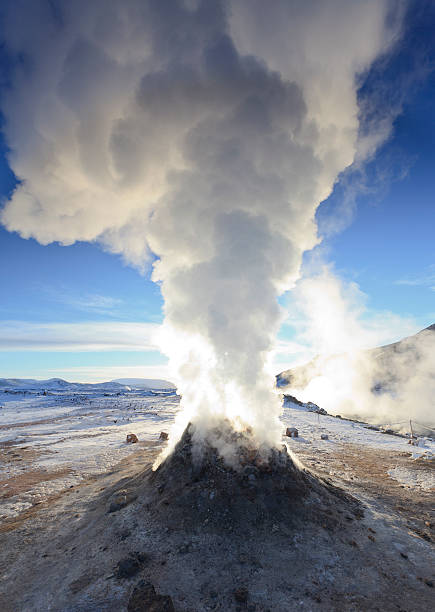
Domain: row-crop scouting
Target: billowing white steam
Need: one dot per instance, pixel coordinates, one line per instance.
(206, 132)
(348, 376)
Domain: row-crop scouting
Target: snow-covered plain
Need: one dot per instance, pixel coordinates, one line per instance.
(63, 438)
(312, 425)
(51, 442)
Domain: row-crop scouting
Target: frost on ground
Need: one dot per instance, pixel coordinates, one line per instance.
(424, 480)
(78, 515)
(50, 443)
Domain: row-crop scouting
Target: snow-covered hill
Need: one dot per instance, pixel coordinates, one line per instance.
(388, 361)
(145, 383)
(389, 385)
(58, 384)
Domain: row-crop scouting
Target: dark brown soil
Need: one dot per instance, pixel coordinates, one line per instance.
(253, 489)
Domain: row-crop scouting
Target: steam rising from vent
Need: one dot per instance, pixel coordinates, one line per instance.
(204, 132)
(387, 385)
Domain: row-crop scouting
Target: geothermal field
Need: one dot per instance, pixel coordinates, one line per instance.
(339, 519)
(235, 196)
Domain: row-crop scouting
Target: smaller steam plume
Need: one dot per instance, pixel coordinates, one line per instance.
(349, 376)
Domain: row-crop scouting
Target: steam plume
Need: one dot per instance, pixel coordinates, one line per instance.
(204, 132)
(387, 385)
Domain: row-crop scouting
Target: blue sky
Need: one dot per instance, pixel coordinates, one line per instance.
(80, 313)
(389, 246)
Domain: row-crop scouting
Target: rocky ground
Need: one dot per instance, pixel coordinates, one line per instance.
(103, 545)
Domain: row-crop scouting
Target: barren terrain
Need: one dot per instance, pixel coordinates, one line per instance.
(86, 543)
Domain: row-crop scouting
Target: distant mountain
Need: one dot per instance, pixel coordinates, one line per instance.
(145, 383)
(390, 364)
(57, 384)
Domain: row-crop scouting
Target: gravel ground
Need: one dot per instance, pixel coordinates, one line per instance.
(64, 554)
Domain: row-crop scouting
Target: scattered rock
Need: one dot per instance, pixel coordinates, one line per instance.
(404, 555)
(132, 439)
(81, 583)
(428, 582)
(370, 537)
(291, 432)
(241, 595)
(310, 406)
(184, 548)
(315, 408)
(292, 400)
(422, 534)
(126, 533)
(250, 470)
(145, 599)
(121, 500)
(130, 566)
(324, 437)
(163, 435)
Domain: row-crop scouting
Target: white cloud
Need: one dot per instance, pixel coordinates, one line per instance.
(76, 337)
(87, 302)
(94, 374)
(425, 279)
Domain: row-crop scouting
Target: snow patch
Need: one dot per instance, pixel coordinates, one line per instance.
(413, 478)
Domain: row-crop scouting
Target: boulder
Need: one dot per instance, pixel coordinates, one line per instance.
(324, 437)
(291, 432)
(163, 435)
(132, 439)
(130, 566)
(145, 599)
(315, 408)
(121, 500)
(241, 595)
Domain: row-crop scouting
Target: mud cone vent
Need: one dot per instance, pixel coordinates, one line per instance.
(250, 488)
